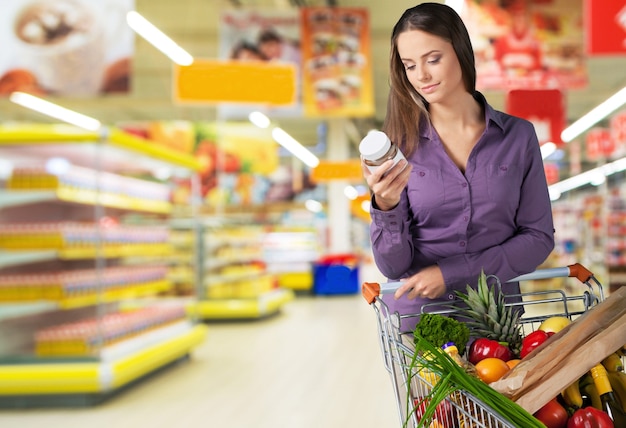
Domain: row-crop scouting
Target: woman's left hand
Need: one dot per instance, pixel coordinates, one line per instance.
(427, 284)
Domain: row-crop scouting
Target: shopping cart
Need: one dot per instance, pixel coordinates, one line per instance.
(398, 349)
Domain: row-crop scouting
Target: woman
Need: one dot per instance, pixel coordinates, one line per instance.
(472, 194)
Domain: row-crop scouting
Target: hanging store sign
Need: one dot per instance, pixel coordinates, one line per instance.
(213, 81)
(336, 62)
(527, 44)
(605, 27)
(599, 144)
(545, 108)
(617, 126)
(66, 48)
(265, 38)
(331, 170)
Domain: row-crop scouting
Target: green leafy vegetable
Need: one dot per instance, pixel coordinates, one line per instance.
(454, 378)
(439, 329)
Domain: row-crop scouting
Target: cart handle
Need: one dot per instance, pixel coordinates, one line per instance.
(576, 270)
(371, 290)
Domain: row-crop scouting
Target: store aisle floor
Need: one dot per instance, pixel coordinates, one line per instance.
(316, 364)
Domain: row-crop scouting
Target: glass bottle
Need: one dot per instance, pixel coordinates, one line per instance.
(376, 148)
(609, 401)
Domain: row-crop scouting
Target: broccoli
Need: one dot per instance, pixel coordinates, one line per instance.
(440, 329)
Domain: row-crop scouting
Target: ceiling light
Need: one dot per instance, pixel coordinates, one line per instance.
(259, 119)
(547, 149)
(56, 111)
(313, 205)
(594, 116)
(595, 176)
(158, 39)
(297, 149)
(350, 192)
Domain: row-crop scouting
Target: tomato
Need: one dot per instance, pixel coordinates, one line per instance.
(491, 369)
(590, 417)
(444, 415)
(552, 415)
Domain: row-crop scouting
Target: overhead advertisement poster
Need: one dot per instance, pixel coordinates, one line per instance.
(531, 44)
(336, 62)
(65, 47)
(606, 27)
(263, 37)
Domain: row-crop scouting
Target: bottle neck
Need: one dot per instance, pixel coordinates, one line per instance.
(601, 379)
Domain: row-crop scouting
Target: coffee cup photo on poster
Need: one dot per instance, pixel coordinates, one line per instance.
(77, 48)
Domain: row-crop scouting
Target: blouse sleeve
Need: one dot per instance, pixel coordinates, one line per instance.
(390, 234)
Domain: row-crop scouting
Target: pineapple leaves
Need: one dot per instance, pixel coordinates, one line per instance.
(488, 315)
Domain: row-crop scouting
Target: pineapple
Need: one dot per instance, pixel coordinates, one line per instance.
(489, 316)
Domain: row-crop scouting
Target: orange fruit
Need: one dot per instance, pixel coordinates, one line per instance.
(513, 363)
(491, 369)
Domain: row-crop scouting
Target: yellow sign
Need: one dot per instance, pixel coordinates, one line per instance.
(329, 170)
(214, 81)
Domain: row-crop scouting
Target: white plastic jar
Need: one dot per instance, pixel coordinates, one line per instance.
(376, 148)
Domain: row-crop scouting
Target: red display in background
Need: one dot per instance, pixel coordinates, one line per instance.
(545, 108)
(618, 132)
(552, 172)
(599, 143)
(605, 27)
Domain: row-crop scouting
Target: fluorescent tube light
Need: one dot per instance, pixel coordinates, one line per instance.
(594, 116)
(56, 111)
(297, 149)
(158, 39)
(547, 149)
(594, 176)
(259, 119)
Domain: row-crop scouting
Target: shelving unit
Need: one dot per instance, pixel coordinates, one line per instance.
(235, 282)
(87, 298)
(290, 253)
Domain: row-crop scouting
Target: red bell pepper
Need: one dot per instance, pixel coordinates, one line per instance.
(488, 348)
(590, 417)
(532, 341)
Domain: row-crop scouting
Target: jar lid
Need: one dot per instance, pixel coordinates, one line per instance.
(374, 145)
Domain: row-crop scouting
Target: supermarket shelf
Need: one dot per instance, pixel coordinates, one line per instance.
(11, 258)
(13, 310)
(21, 256)
(100, 377)
(43, 134)
(84, 196)
(252, 308)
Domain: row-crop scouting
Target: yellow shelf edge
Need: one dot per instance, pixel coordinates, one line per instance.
(77, 378)
(62, 133)
(137, 365)
(241, 308)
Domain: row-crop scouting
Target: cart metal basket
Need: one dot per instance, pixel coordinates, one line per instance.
(398, 348)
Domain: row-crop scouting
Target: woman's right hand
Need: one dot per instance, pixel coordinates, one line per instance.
(387, 182)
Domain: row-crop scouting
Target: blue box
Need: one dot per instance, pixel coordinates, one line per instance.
(336, 275)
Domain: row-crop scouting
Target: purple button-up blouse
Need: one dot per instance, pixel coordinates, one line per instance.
(496, 217)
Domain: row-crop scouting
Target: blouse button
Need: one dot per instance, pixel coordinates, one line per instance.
(462, 243)
(503, 168)
(464, 185)
(465, 218)
(450, 296)
(422, 173)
